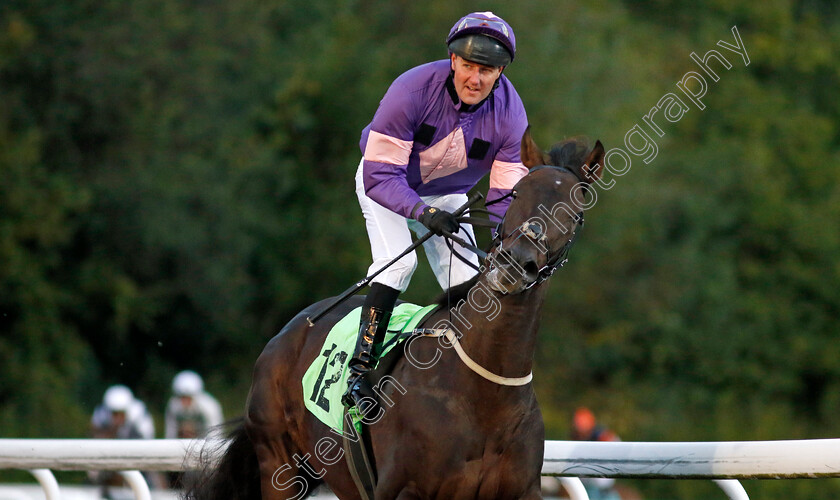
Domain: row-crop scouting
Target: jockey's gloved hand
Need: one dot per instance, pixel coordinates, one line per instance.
(438, 221)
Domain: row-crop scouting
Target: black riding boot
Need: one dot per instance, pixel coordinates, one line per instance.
(372, 327)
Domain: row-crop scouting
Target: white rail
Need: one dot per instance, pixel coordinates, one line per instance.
(723, 462)
(703, 460)
(101, 454)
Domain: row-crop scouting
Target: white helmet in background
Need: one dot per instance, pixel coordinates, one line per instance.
(118, 398)
(187, 383)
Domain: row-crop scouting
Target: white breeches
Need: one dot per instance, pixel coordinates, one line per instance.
(389, 235)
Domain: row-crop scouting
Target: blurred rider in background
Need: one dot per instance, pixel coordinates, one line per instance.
(586, 428)
(121, 416)
(191, 412)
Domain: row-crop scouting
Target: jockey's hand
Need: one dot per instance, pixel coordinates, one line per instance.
(438, 221)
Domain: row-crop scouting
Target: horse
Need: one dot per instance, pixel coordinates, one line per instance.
(447, 432)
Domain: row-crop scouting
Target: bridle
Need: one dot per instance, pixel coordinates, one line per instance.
(534, 232)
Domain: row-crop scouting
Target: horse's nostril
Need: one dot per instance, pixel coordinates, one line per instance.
(531, 270)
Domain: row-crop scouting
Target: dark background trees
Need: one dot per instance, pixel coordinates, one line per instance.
(176, 181)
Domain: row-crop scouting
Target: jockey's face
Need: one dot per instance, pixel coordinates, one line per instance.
(473, 81)
(117, 418)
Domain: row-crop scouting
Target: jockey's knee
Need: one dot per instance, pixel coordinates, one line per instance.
(399, 274)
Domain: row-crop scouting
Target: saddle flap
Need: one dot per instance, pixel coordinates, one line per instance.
(326, 378)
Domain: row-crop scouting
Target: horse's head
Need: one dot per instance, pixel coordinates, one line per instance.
(545, 215)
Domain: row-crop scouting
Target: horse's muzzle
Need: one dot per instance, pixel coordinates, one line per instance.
(512, 271)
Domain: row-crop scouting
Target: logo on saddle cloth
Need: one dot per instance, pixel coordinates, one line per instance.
(326, 378)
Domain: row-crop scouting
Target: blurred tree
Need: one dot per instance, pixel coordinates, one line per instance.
(42, 357)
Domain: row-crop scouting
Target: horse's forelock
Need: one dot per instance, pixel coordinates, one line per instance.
(570, 153)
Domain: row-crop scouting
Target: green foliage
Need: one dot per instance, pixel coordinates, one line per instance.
(177, 182)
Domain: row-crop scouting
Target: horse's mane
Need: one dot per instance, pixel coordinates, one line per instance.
(570, 153)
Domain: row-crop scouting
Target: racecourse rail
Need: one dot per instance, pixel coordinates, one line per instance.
(724, 462)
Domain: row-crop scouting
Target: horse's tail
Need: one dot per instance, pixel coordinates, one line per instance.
(236, 476)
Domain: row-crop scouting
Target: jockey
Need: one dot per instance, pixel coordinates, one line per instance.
(122, 416)
(439, 129)
(191, 412)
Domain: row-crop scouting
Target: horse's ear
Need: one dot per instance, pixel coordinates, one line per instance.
(593, 166)
(531, 154)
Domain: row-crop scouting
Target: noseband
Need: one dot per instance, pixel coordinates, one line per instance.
(535, 233)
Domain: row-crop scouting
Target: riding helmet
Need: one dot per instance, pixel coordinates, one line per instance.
(187, 383)
(483, 37)
(118, 398)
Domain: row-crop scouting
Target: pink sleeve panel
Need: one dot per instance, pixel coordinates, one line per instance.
(505, 175)
(383, 148)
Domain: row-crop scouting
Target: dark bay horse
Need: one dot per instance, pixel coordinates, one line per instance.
(450, 433)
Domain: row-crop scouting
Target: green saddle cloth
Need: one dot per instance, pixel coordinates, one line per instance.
(326, 379)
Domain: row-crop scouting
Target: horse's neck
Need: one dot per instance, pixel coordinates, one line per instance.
(500, 332)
